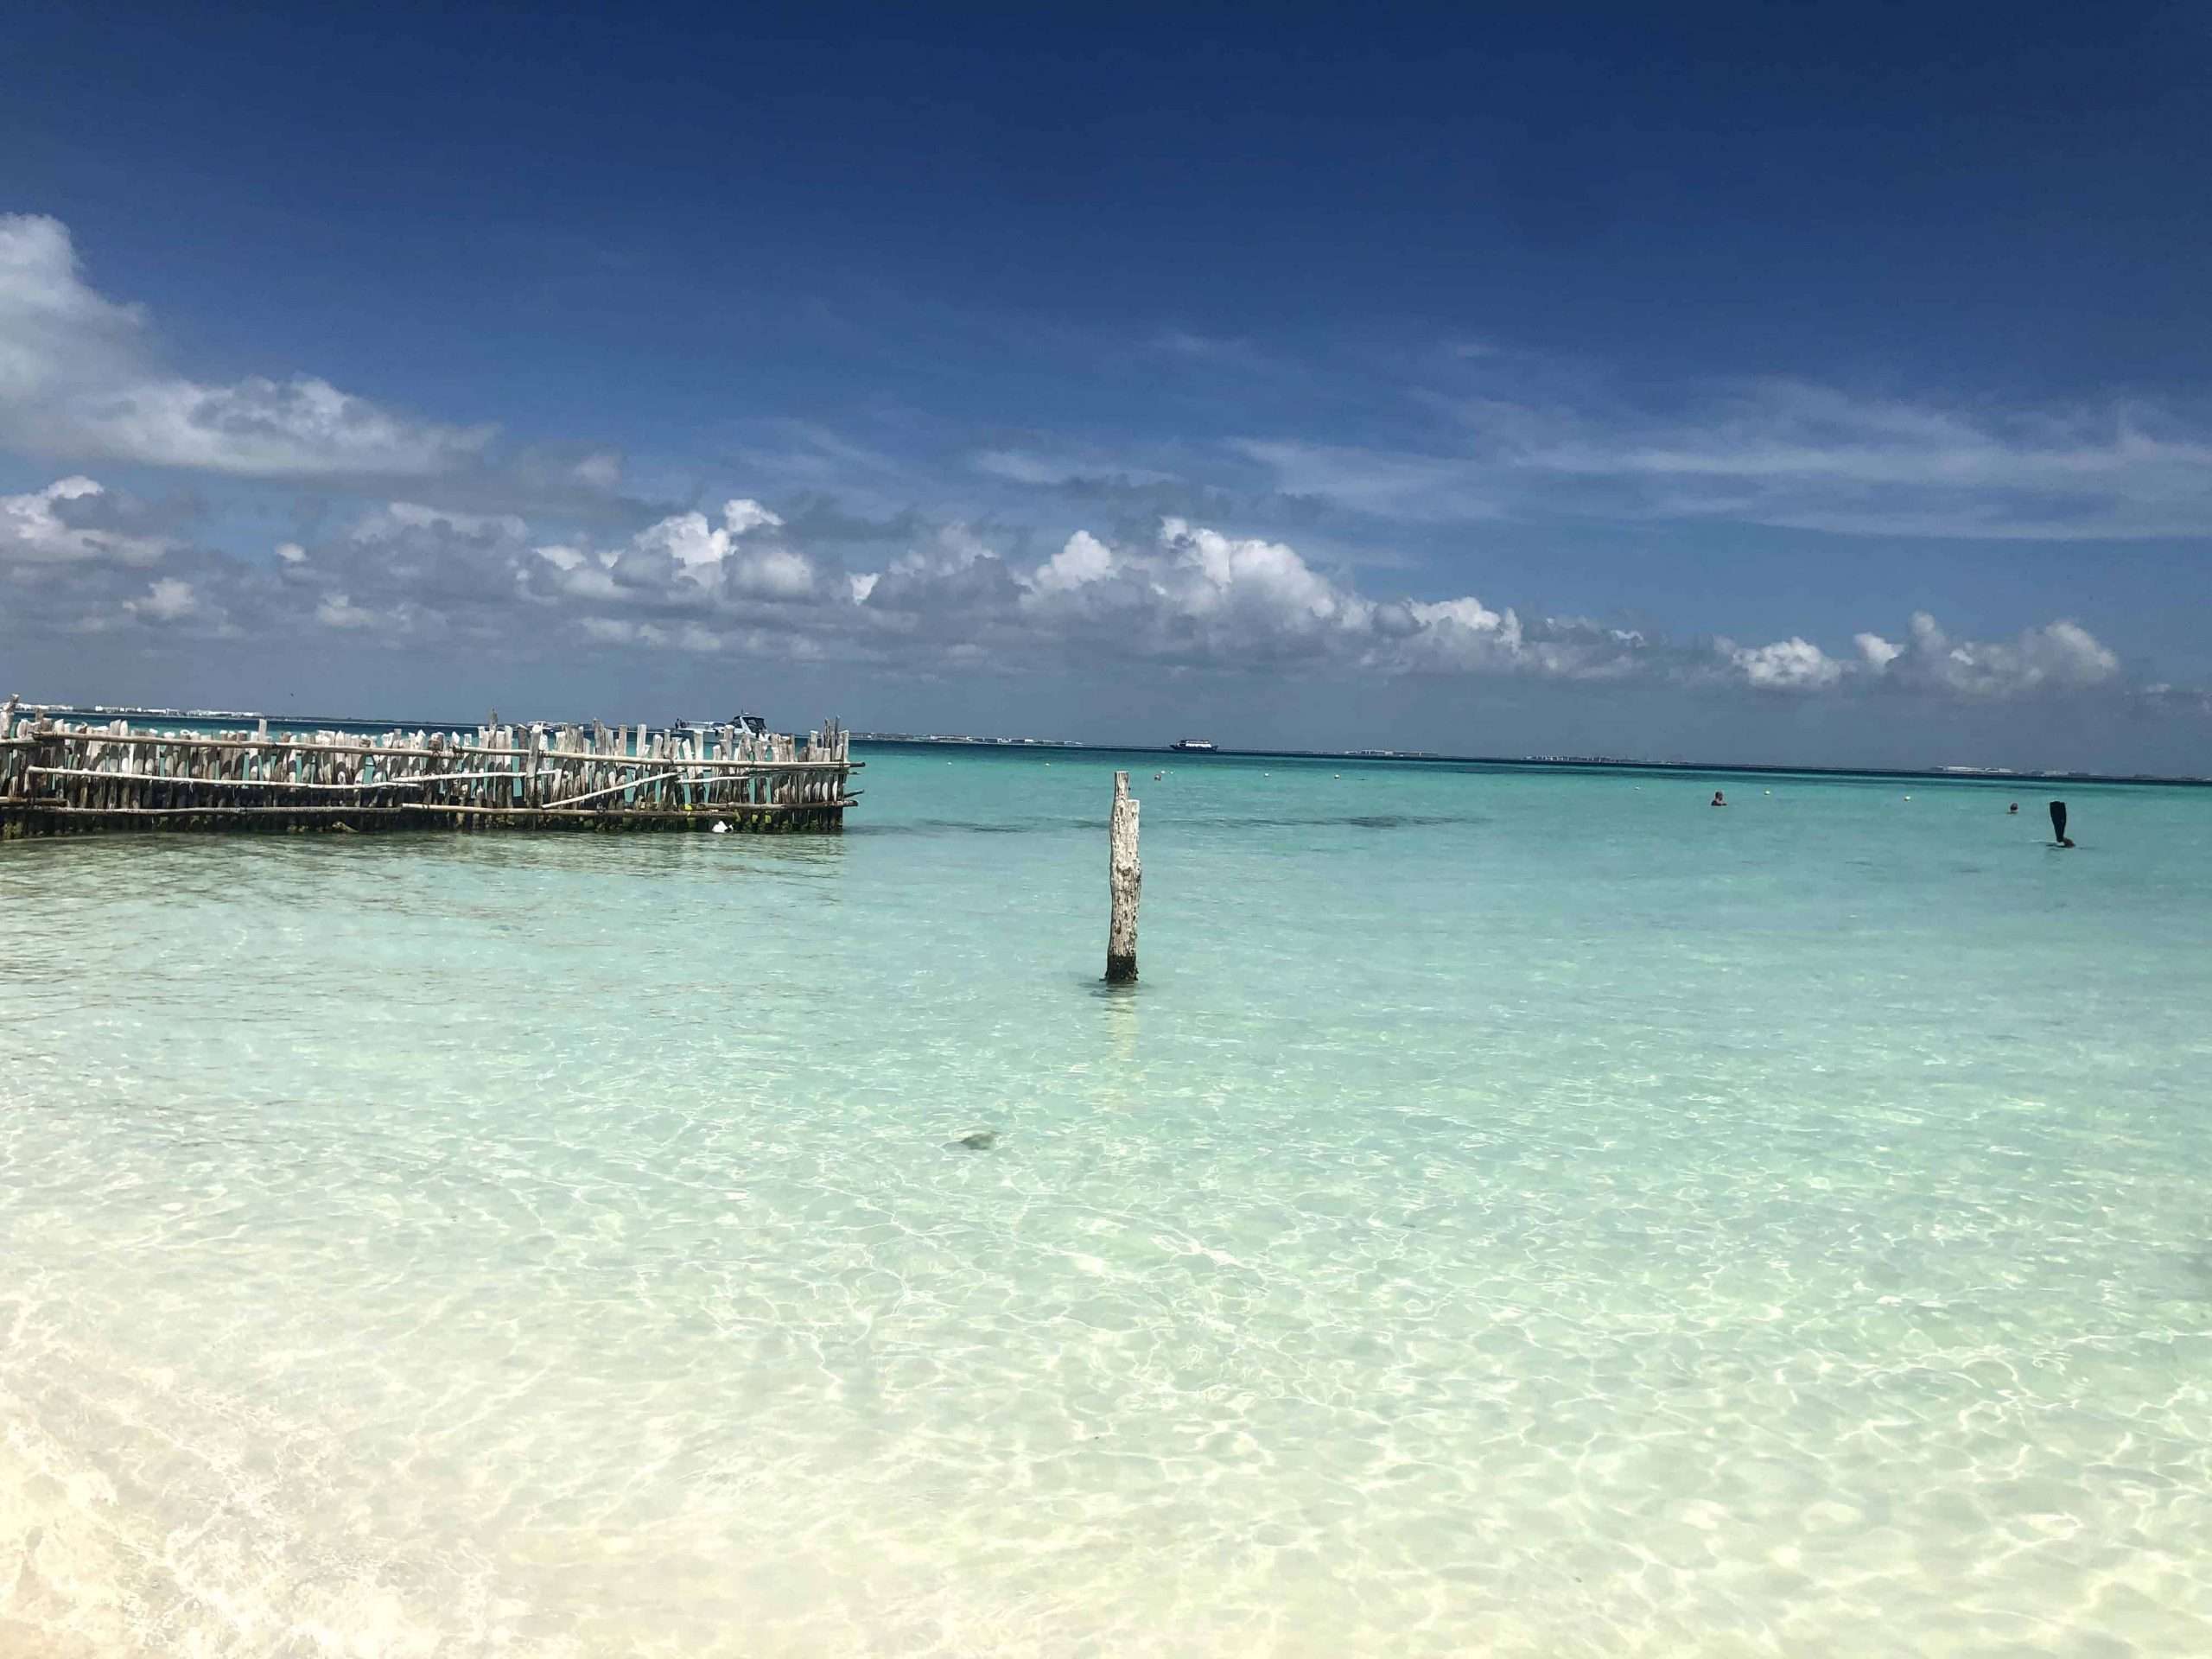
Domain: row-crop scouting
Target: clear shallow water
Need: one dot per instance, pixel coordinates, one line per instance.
(1522, 1213)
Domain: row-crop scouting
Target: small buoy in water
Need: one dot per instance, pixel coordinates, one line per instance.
(1157, 776)
(721, 828)
(1907, 797)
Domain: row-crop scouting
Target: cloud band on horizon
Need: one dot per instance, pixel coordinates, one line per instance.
(80, 380)
(1193, 598)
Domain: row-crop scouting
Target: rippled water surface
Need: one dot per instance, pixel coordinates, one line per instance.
(1521, 1213)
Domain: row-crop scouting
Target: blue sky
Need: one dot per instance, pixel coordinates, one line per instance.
(1745, 382)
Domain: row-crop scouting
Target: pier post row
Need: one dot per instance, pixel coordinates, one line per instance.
(62, 779)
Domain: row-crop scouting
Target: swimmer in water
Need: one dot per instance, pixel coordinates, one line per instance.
(2014, 810)
(1719, 799)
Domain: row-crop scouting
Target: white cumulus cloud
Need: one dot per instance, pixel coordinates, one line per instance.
(1877, 652)
(601, 471)
(1267, 578)
(1085, 559)
(165, 601)
(732, 553)
(2063, 654)
(53, 525)
(337, 611)
(1792, 664)
(80, 377)
(2060, 655)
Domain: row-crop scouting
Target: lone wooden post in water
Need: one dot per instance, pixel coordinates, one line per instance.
(1126, 875)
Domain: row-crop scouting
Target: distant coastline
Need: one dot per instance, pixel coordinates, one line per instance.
(976, 742)
(1954, 773)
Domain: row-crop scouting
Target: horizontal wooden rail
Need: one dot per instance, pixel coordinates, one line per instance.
(721, 763)
(422, 782)
(719, 809)
(568, 809)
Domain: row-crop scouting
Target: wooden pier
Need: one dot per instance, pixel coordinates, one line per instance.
(57, 778)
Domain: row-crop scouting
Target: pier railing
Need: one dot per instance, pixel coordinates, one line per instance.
(59, 777)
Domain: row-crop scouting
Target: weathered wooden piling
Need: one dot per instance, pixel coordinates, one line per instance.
(1125, 875)
(57, 778)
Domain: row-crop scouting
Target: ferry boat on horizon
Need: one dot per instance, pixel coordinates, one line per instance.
(1192, 745)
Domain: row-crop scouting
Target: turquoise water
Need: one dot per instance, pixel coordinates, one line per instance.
(1518, 1213)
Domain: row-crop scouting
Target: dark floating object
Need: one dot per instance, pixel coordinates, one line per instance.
(975, 1140)
(2058, 824)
